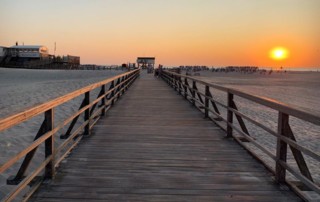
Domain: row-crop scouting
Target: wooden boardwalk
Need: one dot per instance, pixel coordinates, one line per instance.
(154, 146)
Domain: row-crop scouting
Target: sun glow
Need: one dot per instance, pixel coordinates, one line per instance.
(279, 53)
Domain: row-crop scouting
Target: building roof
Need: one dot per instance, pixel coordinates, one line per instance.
(27, 46)
(146, 58)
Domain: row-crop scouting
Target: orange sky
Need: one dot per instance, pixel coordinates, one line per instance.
(176, 32)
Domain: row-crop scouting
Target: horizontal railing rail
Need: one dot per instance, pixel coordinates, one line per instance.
(91, 110)
(187, 86)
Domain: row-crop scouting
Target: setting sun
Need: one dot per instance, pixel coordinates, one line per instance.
(279, 53)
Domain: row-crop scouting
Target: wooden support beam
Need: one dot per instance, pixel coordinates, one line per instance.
(49, 145)
(303, 167)
(229, 115)
(180, 85)
(215, 108)
(185, 88)
(103, 101)
(193, 92)
(73, 123)
(198, 94)
(14, 180)
(240, 120)
(94, 106)
(283, 120)
(87, 114)
(206, 110)
(112, 93)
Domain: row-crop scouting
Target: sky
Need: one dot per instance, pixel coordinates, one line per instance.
(176, 32)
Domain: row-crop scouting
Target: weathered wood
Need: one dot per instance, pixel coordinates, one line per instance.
(230, 115)
(46, 135)
(274, 104)
(159, 154)
(73, 123)
(206, 110)
(297, 149)
(94, 106)
(298, 156)
(26, 181)
(283, 121)
(14, 180)
(193, 93)
(34, 111)
(180, 85)
(112, 93)
(87, 113)
(239, 118)
(49, 145)
(23, 153)
(185, 88)
(212, 102)
(198, 94)
(103, 101)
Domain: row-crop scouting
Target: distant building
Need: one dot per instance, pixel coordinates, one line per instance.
(72, 59)
(146, 63)
(3, 53)
(35, 56)
(28, 52)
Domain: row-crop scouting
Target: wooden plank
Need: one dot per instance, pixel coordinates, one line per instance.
(152, 146)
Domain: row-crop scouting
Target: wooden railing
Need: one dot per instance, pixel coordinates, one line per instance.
(46, 134)
(188, 87)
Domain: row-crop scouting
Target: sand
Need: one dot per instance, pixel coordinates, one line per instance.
(23, 88)
(297, 89)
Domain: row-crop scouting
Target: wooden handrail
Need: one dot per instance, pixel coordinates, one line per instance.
(284, 135)
(271, 103)
(17, 118)
(47, 130)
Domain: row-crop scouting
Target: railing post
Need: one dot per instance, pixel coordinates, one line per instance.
(103, 101)
(126, 83)
(283, 121)
(172, 81)
(193, 92)
(49, 145)
(180, 85)
(229, 115)
(185, 88)
(112, 92)
(206, 102)
(87, 113)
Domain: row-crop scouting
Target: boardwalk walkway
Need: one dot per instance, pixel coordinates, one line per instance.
(154, 146)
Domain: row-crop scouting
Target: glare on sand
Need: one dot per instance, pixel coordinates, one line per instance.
(279, 53)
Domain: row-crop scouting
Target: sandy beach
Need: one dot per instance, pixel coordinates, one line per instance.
(21, 88)
(24, 88)
(297, 89)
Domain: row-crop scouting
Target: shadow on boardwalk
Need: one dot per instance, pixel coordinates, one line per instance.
(154, 146)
